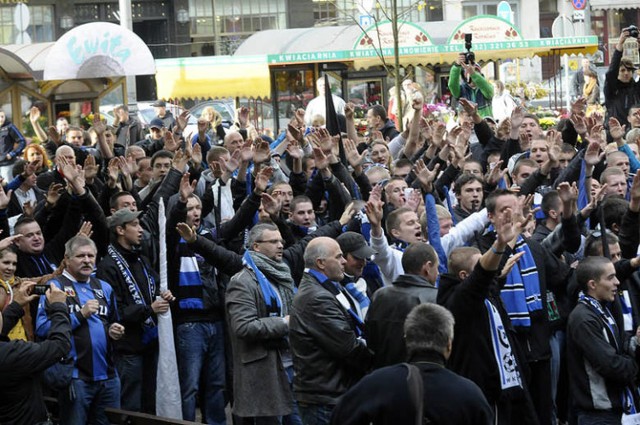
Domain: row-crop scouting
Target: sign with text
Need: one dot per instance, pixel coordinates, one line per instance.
(97, 50)
(381, 36)
(485, 29)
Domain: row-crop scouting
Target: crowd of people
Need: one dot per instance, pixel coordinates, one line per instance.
(480, 273)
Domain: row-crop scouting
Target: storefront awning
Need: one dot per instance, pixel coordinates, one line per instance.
(613, 4)
(98, 50)
(213, 77)
(24, 61)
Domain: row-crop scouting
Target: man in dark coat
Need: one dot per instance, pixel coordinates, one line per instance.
(391, 304)
(399, 394)
(326, 334)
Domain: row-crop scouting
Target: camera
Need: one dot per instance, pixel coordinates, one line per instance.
(633, 31)
(39, 289)
(470, 57)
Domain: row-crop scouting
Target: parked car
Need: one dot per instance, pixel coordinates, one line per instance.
(224, 107)
(144, 113)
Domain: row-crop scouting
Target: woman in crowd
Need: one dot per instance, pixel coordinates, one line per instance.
(216, 130)
(35, 152)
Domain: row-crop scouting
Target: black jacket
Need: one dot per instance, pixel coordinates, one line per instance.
(21, 400)
(132, 315)
(619, 97)
(599, 369)
(472, 355)
(328, 357)
(384, 398)
(389, 309)
(389, 130)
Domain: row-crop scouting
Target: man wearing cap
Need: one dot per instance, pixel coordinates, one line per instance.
(137, 288)
(167, 118)
(472, 86)
(391, 304)
(154, 141)
(621, 91)
(358, 254)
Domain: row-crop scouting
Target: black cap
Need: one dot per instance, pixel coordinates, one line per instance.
(354, 243)
(156, 123)
(158, 103)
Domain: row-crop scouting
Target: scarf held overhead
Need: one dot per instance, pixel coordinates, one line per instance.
(521, 293)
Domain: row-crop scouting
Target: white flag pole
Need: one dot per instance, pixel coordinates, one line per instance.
(168, 399)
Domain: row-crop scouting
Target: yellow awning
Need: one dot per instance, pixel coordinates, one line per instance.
(213, 77)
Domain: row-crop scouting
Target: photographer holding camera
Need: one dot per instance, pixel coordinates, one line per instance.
(621, 91)
(466, 81)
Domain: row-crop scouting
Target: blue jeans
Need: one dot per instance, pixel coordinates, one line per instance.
(200, 353)
(85, 402)
(315, 414)
(599, 418)
(137, 372)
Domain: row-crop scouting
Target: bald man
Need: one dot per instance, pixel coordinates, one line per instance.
(326, 334)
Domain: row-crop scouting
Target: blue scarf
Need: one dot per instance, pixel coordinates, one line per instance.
(189, 280)
(335, 289)
(271, 297)
(360, 297)
(583, 197)
(433, 230)
(607, 319)
(521, 293)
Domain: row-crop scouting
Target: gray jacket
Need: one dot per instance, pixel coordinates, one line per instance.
(260, 384)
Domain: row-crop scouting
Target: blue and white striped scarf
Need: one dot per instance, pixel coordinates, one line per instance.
(521, 293)
(190, 295)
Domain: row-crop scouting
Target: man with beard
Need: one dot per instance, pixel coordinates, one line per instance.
(469, 192)
(137, 288)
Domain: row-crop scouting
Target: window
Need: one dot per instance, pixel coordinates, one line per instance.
(228, 23)
(40, 24)
(471, 9)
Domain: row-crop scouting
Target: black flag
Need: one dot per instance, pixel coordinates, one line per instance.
(332, 123)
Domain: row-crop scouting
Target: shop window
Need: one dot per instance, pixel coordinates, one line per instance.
(294, 89)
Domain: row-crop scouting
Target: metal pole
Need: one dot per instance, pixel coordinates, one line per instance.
(127, 22)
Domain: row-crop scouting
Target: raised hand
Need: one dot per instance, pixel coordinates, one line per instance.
(468, 106)
(262, 153)
(86, 229)
(617, 131)
(186, 232)
(170, 142)
(374, 212)
(53, 193)
(180, 160)
(247, 151)
(349, 110)
(564, 192)
(9, 240)
(504, 129)
(98, 125)
(579, 123)
(554, 138)
(506, 230)
(376, 193)
(90, 168)
(196, 155)
(186, 187)
(243, 116)
(262, 179)
(496, 174)
(53, 134)
(426, 176)
(294, 150)
(506, 269)
(349, 211)
(270, 204)
(354, 157)
(592, 156)
(414, 200)
(181, 120)
(517, 116)
(34, 114)
(437, 134)
(579, 106)
(294, 132)
(28, 208)
(321, 160)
